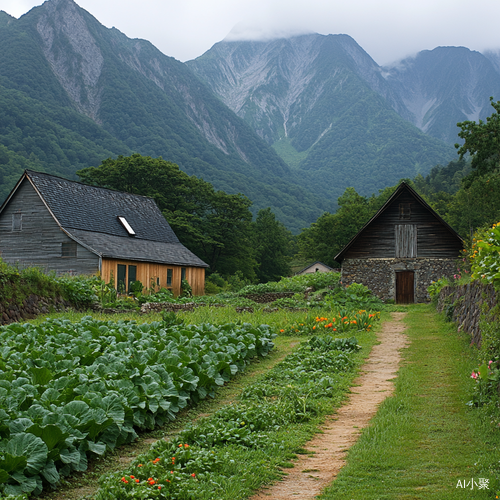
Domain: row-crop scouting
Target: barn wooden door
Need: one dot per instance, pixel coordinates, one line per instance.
(405, 285)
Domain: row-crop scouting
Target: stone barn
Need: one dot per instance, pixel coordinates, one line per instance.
(404, 247)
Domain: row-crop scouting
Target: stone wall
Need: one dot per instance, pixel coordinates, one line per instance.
(266, 298)
(464, 305)
(156, 307)
(379, 275)
(31, 307)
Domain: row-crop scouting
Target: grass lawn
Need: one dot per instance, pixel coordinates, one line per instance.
(425, 442)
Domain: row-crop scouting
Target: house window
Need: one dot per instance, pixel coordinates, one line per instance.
(405, 210)
(132, 275)
(183, 273)
(125, 276)
(121, 278)
(68, 249)
(169, 277)
(127, 226)
(17, 220)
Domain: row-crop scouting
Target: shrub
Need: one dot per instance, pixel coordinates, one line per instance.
(295, 284)
(485, 255)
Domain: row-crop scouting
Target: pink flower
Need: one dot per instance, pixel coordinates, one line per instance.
(474, 375)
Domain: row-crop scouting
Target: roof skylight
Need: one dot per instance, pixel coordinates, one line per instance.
(126, 225)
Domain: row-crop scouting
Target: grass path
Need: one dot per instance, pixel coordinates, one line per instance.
(425, 442)
(326, 452)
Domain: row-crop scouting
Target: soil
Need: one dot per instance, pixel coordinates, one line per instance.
(313, 472)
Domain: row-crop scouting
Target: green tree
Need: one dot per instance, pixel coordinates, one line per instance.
(272, 244)
(326, 237)
(475, 206)
(482, 142)
(216, 226)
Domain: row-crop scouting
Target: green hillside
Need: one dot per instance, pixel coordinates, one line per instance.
(67, 105)
(323, 104)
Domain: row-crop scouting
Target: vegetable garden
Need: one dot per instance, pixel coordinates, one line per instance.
(73, 390)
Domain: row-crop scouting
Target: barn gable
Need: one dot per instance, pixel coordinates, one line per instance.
(406, 241)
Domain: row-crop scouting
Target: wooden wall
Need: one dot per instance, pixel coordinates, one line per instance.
(378, 240)
(39, 240)
(148, 273)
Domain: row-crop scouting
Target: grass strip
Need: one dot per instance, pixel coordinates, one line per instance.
(425, 442)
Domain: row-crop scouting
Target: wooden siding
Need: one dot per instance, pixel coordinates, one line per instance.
(151, 274)
(39, 240)
(378, 239)
(406, 240)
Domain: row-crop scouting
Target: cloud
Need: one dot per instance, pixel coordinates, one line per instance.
(387, 29)
(263, 31)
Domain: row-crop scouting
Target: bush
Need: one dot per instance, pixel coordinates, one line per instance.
(354, 296)
(20, 284)
(485, 255)
(211, 288)
(295, 284)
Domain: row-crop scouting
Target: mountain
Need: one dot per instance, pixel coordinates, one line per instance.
(442, 87)
(74, 93)
(326, 107)
(290, 122)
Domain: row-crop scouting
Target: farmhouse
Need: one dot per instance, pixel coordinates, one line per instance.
(401, 249)
(315, 267)
(72, 228)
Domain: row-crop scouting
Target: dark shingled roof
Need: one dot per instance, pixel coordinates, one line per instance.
(90, 215)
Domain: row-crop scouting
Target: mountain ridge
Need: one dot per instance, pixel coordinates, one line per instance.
(320, 101)
(142, 101)
(323, 99)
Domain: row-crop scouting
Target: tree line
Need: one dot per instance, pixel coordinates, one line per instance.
(219, 227)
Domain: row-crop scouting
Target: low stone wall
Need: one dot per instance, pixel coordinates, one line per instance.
(156, 307)
(266, 298)
(464, 305)
(379, 275)
(31, 307)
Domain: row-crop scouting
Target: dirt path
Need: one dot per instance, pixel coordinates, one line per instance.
(312, 473)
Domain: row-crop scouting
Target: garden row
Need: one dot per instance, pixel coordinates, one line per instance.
(245, 444)
(69, 391)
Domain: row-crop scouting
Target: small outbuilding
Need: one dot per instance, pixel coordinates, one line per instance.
(402, 249)
(315, 267)
(72, 228)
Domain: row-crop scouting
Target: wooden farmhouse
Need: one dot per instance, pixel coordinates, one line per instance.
(402, 249)
(72, 228)
(315, 267)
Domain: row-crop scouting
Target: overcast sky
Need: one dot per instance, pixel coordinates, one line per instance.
(387, 29)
